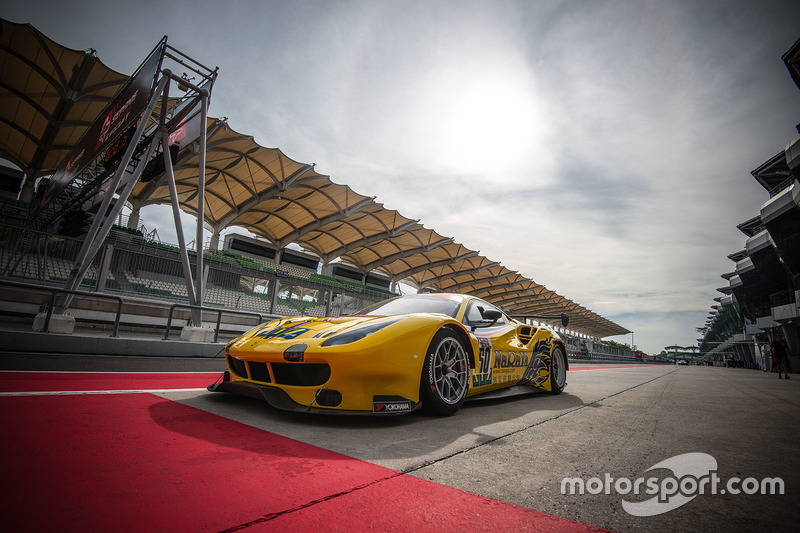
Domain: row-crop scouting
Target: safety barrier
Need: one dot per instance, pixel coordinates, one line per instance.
(211, 309)
(611, 358)
(57, 290)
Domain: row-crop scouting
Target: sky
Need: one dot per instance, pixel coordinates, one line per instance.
(600, 148)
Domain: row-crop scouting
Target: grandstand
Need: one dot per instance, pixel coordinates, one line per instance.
(139, 267)
(322, 248)
(762, 294)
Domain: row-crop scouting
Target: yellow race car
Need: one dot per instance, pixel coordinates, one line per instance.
(423, 350)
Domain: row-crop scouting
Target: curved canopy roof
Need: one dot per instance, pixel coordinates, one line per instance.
(257, 188)
(50, 95)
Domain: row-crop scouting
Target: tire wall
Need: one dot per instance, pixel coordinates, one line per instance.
(559, 342)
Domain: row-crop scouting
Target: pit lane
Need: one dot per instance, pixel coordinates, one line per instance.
(517, 450)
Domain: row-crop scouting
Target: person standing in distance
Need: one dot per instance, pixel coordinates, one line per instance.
(780, 351)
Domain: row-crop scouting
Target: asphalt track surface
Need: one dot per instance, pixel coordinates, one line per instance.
(138, 444)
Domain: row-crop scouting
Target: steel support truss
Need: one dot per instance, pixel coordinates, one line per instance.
(155, 125)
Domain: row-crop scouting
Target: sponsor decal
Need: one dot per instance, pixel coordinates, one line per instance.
(482, 379)
(511, 359)
(285, 332)
(73, 161)
(14, 211)
(483, 374)
(431, 375)
(178, 134)
(391, 407)
(117, 116)
(537, 372)
(523, 368)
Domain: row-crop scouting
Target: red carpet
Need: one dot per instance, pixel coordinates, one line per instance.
(137, 462)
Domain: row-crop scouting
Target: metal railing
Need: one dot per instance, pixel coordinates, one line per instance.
(597, 357)
(56, 290)
(217, 310)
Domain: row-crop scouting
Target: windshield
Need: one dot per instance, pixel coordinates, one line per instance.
(413, 304)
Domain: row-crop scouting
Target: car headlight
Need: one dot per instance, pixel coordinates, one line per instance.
(357, 334)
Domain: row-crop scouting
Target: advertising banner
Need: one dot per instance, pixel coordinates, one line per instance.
(122, 112)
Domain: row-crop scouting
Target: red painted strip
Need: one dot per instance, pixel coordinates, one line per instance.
(103, 381)
(138, 462)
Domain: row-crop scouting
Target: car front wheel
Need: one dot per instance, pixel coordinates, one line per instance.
(445, 375)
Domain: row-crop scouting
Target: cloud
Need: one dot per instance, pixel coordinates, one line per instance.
(602, 149)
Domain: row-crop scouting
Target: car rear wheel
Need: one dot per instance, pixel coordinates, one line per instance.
(558, 370)
(445, 375)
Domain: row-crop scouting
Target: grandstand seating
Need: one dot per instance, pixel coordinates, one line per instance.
(159, 285)
(152, 270)
(261, 265)
(45, 268)
(326, 280)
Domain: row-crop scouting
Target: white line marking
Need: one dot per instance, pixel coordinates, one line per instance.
(77, 392)
(101, 372)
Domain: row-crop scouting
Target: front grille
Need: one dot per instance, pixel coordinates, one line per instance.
(237, 366)
(302, 374)
(258, 371)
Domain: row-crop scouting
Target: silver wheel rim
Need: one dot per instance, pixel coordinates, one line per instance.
(559, 368)
(450, 370)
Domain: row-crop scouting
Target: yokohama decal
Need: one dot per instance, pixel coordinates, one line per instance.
(391, 407)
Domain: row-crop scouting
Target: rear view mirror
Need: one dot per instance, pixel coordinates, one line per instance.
(491, 315)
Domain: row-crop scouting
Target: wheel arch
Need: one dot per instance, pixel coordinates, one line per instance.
(466, 339)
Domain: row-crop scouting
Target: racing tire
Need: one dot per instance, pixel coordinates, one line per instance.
(558, 370)
(445, 374)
